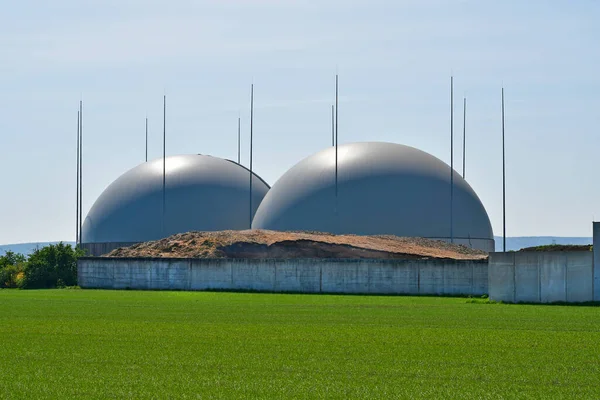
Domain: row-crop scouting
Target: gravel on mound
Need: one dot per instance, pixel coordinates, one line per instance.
(559, 247)
(274, 244)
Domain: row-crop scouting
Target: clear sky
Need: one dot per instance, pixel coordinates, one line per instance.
(394, 59)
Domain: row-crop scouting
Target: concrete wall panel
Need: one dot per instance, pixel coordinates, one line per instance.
(123, 277)
(527, 278)
(100, 276)
(501, 277)
(169, 275)
(579, 270)
(553, 274)
(457, 279)
(140, 275)
(296, 275)
(431, 279)
(480, 279)
(206, 275)
(544, 277)
(345, 277)
(253, 276)
(393, 278)
(527, 283)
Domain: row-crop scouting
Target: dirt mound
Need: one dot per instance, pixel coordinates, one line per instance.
(272, 244)
(560, 247)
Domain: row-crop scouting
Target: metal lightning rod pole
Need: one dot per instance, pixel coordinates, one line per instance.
(80, 170)
(251, 138)
(239, 137)
(336, 138)
(464, 135)
(451, 159)
(164, 182)
(503, 181)
(146, 139)
(332, 125)
(77, 200)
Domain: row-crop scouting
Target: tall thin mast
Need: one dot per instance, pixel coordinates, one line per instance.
(164, 182)
(146, 139)
(464, 134)
(80, 170)
(251, 138)
(503, 181)
(239, 138)
(451, 159)
(77, 200)
(332, 125)
(336, 138)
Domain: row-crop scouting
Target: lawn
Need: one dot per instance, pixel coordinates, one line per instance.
(129, 344)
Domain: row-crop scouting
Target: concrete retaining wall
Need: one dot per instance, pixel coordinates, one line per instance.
(541, 277)
(292, 275)
(533, 277)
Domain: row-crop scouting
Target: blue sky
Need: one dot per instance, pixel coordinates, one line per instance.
(394, 60)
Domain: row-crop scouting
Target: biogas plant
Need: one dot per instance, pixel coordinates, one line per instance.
(362, 188)
(382, 189)
(364, 217)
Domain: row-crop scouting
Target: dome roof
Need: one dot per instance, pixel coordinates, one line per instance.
(383, 188)
(202, 193)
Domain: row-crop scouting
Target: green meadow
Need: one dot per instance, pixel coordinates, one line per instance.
(132, 344)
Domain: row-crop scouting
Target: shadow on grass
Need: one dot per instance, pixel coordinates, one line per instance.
(470, 299)
(486, 300)
(250, 291)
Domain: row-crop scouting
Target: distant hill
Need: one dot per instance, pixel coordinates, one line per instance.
(520, 242)
(26, 248)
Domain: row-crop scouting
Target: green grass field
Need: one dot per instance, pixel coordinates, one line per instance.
(127, 344)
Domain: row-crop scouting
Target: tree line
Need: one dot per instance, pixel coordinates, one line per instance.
(52, 266)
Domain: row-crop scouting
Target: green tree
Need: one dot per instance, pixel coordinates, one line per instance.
(11, 265)
(52, 266)
(11, 258)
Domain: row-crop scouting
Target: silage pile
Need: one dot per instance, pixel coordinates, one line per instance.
(273, 244)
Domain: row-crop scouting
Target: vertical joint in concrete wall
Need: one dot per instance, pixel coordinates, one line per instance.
(189, 279)
(596, 263)
(539, 276)
(472, 279)
(565, 277)
(320, 278)
(514, 281)
(443, 275)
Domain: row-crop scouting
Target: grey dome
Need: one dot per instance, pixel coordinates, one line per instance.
(203, 193)
(383, 188)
